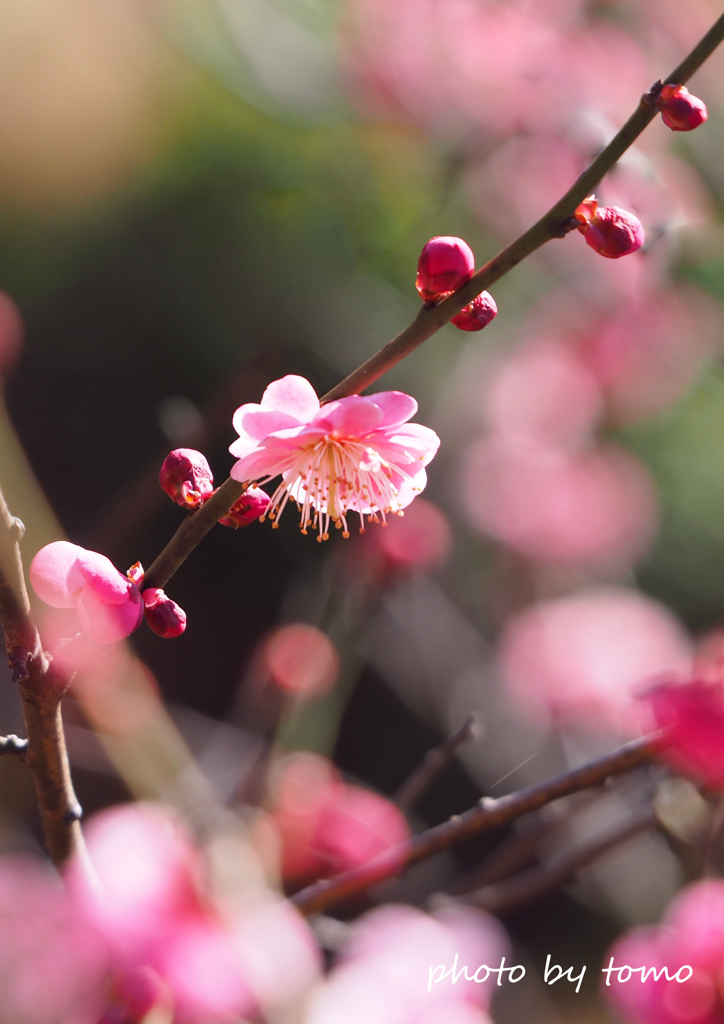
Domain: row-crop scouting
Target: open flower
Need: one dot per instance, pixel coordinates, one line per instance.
(355, 454)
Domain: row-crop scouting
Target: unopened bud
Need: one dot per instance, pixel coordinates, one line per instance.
(445, 263)
(186, 477)
(609, 230)
(247, 509)
(477, 314)
(163, 615)
(680, 111)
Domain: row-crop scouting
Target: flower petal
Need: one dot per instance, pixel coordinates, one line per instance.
(106, 622)
(54, 574)
(293, 395)
(101, 575)
(349, 417)
(396, 406)
(257, 422)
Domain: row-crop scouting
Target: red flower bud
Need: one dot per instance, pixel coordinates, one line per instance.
(445, 263)
(680, 111)
(609, 230)
(163, 615)
(186, 477)
(251, 506)
(477, 314)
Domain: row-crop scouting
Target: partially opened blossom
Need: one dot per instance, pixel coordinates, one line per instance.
(108, 603)
(356, 454)
(477, 314)
(186, 477)
(252, 505)
(691, 716)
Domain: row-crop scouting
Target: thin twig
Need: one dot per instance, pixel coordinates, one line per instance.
(433, 763)
(502, 897)
(554, 224)
(487, 814)
(40, 695)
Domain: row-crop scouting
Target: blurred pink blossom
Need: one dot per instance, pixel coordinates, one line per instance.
(422, 538)
(147, 899)
(646, 352)
(383, 973)
(300, 659)
(325, 825)
(355, 454)
(11, 333)
(691, 934)
(108, 603)
(543, 389)
(587, 656)
(53, 965)
(594, 507)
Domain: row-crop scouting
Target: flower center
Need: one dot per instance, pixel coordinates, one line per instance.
(335, 476)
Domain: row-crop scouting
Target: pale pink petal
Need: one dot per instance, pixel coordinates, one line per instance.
(101, 575)
(108, 622)
(54, 574)
(243, 446)
(293, 395)
(410, 443)
(258, 423)
(257, 465)
(349, 417)
(396, 406)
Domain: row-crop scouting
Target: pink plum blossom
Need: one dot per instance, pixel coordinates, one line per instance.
(53, 964)
(356, 454)
(690, 935)
(691, 714)
(593, 507)
(148, 904)
(587, 656)
(388, 971)
(300, 659)
(325, 825)
(108, 603)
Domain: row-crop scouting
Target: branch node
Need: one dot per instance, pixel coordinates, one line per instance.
(12, 744)
(73, 814)
(649, 98)
(17, 529)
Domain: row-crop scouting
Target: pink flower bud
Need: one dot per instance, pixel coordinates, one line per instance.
(477, 314)
(163, 615)
(251, 506)
(609, 230)
(680, 111)
(445, 263)
(186, 477)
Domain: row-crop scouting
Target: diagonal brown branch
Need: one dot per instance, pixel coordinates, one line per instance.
(40, 695)
(553, 224)
(487, 814)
